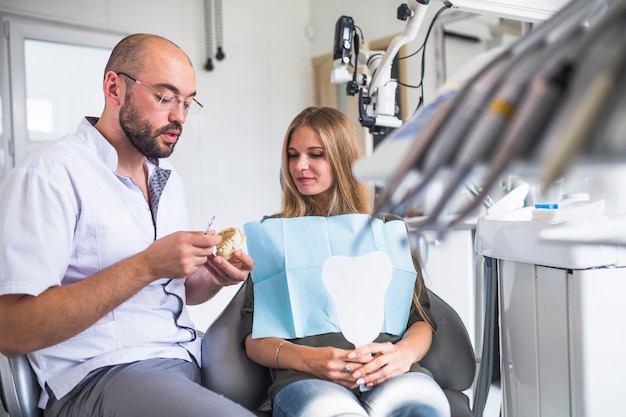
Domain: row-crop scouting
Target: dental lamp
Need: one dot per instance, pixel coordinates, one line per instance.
(376, 92)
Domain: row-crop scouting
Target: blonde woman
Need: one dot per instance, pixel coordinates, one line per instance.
(319, 375)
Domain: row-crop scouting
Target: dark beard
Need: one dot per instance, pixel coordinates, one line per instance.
(141, 134)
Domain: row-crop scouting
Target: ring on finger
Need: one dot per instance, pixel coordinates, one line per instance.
(346, 368)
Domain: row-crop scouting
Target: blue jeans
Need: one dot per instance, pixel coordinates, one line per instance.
(413, 394)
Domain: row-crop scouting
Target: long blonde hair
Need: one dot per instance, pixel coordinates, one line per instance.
(341, 145)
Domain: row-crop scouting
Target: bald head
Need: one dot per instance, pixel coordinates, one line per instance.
(133, 53)
(155, 63)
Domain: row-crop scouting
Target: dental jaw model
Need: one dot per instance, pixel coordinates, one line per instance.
(232, 240)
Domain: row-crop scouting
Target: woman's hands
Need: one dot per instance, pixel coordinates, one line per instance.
(371, 364)
(379, 362)
(368, 365)
(382, 361)
(331, 364)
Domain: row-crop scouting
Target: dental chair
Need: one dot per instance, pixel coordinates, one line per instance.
(228, 371)
(19, 390)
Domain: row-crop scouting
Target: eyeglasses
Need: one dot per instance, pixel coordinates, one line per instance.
(169, 101)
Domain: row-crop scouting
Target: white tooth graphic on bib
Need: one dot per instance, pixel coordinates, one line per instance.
(358, 286)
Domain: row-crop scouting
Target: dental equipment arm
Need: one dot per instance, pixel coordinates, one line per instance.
(391, 196)
(377, 94)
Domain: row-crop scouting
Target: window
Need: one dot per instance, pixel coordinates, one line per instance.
(51, 76)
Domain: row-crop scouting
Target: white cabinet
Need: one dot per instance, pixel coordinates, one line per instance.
(562, 340)
(562, 319)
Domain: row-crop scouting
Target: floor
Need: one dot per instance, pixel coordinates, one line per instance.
(494, 401)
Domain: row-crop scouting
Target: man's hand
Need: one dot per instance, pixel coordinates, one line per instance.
(180, 254)
(233, 271)
(217, 272)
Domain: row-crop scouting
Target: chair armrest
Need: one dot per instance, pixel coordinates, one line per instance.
(451, 356)
(19, 388)
(226, 368)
